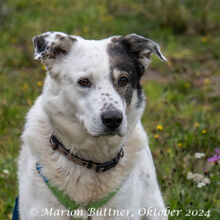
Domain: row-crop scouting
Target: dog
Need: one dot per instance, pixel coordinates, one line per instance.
(84, 133)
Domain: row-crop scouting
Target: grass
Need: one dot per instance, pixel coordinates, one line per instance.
(183, 97)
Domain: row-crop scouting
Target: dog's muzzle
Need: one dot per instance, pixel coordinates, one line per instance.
(112, 119)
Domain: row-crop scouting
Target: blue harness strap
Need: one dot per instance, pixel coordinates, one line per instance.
(15, 215)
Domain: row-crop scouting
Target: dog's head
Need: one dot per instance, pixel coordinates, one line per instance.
(95, 83)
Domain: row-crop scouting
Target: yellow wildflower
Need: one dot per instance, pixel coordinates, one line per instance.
(204, 131)
(206, 80)
(43, 67)
(204, 39)
(156, 136)
(187, 85)
(159, 127)
(180, 144)
(196, 125)
(39, 83)
(24, 87)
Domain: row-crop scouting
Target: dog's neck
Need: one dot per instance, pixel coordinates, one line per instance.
(79, 142)
(61, 170)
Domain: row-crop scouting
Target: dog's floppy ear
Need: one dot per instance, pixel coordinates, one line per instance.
(144, 47)
(51, 46)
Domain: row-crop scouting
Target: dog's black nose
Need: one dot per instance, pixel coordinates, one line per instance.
(112, 119)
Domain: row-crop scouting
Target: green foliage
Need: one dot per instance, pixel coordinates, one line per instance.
(182, 96)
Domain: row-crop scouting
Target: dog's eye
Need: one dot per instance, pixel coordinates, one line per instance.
(123, 81)
(84, 82)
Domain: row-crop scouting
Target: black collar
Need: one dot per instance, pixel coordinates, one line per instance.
(98, 167)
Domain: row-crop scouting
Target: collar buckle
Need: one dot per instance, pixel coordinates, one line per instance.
(53, 143)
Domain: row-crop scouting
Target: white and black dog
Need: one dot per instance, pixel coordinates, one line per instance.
(87, 118)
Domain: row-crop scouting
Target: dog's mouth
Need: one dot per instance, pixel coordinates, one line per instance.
(109, 133)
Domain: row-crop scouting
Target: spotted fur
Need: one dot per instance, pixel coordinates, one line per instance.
(74, 114)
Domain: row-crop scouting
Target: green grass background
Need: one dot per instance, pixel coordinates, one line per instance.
(180, 93)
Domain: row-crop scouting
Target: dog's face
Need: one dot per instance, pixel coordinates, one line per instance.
(95, 83)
